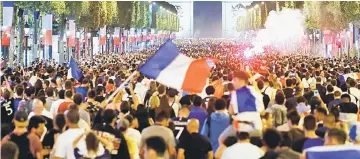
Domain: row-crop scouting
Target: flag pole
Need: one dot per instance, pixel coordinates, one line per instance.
(120, 87)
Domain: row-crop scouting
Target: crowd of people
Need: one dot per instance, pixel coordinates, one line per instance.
(305, 103)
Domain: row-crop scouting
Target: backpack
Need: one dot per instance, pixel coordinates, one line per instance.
(266, 98)
(279, 116)
(205, 101)
(92, 109)
(208, 123)
(23, 143)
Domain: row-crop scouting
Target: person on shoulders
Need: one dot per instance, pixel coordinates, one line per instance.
(195, 145)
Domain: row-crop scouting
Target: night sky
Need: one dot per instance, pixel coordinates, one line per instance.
(207, 19)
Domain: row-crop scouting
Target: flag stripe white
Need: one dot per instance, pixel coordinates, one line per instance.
(174, 74)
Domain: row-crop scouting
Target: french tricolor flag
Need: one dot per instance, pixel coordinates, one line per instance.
(333, 152)
(173, 69)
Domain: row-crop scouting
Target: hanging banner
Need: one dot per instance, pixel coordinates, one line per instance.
(102, 36)
(117, 36)
(95, 45)
(55, 53)
(8, 8)
(47, 29)
(71, 34)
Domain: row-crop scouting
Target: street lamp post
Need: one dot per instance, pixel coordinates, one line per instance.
(27, 31)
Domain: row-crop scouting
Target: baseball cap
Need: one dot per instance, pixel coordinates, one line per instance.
(21, 119)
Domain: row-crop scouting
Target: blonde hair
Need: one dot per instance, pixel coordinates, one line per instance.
(154, 101)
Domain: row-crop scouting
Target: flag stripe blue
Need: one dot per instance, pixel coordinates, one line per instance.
(160, 60)
(245, 100)
(345, 154)
(8, 4)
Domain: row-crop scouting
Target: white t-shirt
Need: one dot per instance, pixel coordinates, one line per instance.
(63, 146)
(242, 150)
(135, 135)
(55, 106)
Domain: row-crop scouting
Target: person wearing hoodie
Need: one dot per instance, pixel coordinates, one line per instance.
(216, 123)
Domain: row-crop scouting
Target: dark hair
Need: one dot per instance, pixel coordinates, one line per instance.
(279, 98)
(229, 141)
(92, 142)
(60, 121)
(19, 90)
(289, 82)
(343, 87)
(62, 94)
(352, 82)
(68, 85)
(272, 138)
(172, 92)
(301, 99)
(29, 91)
(157, 144)
(73, 116)
(9, 150)
(130, 118)
(338, 134)
(161, 89)
(197, 101)
(35, 121)
(78, 98)
(49, 91)
(260, 84)
(294, 117)
(185, 100)
(210, 90)
(85, 81)
(161, 116)
(243, 135)
(321, 110)
(40, 93)
(220, 104)
(91, 94)
(230, 87)
(108, 115)
(98, 90)
(330, 88)
(68, 93)
(309, 122)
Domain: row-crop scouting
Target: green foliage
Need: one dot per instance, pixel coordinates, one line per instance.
(351, 11)
(59, 7)
(133, 14)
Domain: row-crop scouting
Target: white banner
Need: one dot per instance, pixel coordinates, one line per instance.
(55, 52)
(95, 45)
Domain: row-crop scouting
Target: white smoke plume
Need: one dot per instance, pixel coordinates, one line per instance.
(284, 31)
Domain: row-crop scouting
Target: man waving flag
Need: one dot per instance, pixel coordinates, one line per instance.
(173, 69)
